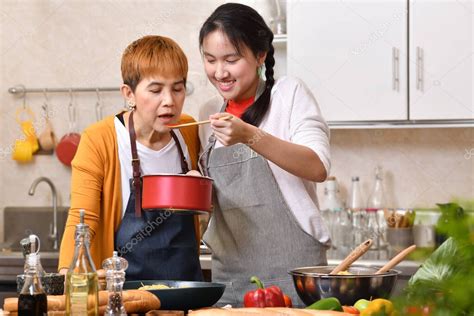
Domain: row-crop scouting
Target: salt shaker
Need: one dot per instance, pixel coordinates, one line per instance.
(115, 275)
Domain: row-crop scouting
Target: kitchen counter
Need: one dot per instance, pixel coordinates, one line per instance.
(11, 264)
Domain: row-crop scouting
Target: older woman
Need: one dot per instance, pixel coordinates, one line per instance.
(114, 151)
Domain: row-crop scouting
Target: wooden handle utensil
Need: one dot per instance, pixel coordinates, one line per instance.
(396, 260)
(225, 118)
(353, 256)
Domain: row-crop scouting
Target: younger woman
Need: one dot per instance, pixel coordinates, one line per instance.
(264, 160)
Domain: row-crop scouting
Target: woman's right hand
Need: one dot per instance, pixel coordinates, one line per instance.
(232, 130)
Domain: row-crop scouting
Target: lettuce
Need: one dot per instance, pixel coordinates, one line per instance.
(445, 281)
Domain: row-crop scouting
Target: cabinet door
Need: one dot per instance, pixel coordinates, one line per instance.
(440, 63)
(352, 55)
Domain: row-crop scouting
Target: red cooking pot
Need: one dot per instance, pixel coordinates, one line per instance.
(178, 192)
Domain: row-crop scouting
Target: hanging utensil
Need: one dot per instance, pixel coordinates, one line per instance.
(25, 147)
(47, 139)
(396, 260)
(353, 256)
(98, 106)
(67, 147)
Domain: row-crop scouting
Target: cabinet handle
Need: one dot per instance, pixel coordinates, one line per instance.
(395, 69)
(419, 68)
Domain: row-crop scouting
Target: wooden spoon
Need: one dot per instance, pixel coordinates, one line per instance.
(353, 256)
(46, 139)
(225, 118)
(396, 260)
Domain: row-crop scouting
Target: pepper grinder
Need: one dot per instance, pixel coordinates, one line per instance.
(115, 267)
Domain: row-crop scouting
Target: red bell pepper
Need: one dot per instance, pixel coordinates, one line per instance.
(271, 296)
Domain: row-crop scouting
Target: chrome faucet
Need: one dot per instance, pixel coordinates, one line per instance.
(53, 235)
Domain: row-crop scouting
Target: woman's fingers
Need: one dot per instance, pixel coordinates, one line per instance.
(224, 139)
(193, 173)
(220, 115)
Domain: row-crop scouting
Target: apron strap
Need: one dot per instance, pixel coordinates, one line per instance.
(206, 153)
(136, 182)
(184, 164)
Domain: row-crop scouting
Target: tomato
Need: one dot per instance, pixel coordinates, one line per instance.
(288, 302)
(418, 311)
(350, 310)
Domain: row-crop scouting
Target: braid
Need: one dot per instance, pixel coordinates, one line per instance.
(269, 63)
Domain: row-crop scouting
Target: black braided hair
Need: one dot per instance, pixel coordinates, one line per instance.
(245, 27)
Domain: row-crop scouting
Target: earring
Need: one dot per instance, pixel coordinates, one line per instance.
(131, 105)
(259, 70)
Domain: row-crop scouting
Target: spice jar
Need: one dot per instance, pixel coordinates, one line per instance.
(115, 276)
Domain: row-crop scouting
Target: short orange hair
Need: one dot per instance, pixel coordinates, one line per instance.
(152, 55)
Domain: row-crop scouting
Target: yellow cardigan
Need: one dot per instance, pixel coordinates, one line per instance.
(96, 187)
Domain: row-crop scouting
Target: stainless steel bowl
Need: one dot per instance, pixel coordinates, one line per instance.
(315, 283)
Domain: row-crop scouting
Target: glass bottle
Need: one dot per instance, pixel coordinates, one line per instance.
(115, 275)
(375, 204)
(373, 230)
(342, 233)
(358, 213)
(376, 199)
(32, 300)
(330, 208)
(33, 246)
(81, 278)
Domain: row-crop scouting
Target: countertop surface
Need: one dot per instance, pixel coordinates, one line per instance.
(11, 264)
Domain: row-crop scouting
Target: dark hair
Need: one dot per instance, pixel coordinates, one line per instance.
(244, 26)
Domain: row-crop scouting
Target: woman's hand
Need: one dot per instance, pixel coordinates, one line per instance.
(194, 173)
(231, 131)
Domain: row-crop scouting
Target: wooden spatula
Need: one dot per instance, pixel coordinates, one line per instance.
(396, 260)
(353, 256)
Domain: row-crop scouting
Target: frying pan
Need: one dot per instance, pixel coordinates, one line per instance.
(183, 295)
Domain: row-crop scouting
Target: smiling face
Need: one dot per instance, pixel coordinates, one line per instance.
(233, 74)
(159, 101)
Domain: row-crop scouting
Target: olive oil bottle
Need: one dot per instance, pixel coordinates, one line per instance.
(81, 279)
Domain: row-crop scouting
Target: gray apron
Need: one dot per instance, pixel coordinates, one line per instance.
(252, 230)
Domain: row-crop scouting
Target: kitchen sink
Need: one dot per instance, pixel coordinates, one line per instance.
(19, 222)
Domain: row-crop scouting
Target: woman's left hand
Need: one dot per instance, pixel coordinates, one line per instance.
(193, 173)
(230, 131)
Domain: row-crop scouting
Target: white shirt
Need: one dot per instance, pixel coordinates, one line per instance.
(165, 160)
(294, 116)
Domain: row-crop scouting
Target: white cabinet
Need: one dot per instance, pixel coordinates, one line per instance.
(441, 51)
(354, 56)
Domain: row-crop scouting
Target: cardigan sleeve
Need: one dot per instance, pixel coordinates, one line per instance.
(86, 190)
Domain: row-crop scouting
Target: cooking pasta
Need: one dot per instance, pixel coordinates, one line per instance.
(160, 287)
(154, 287)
